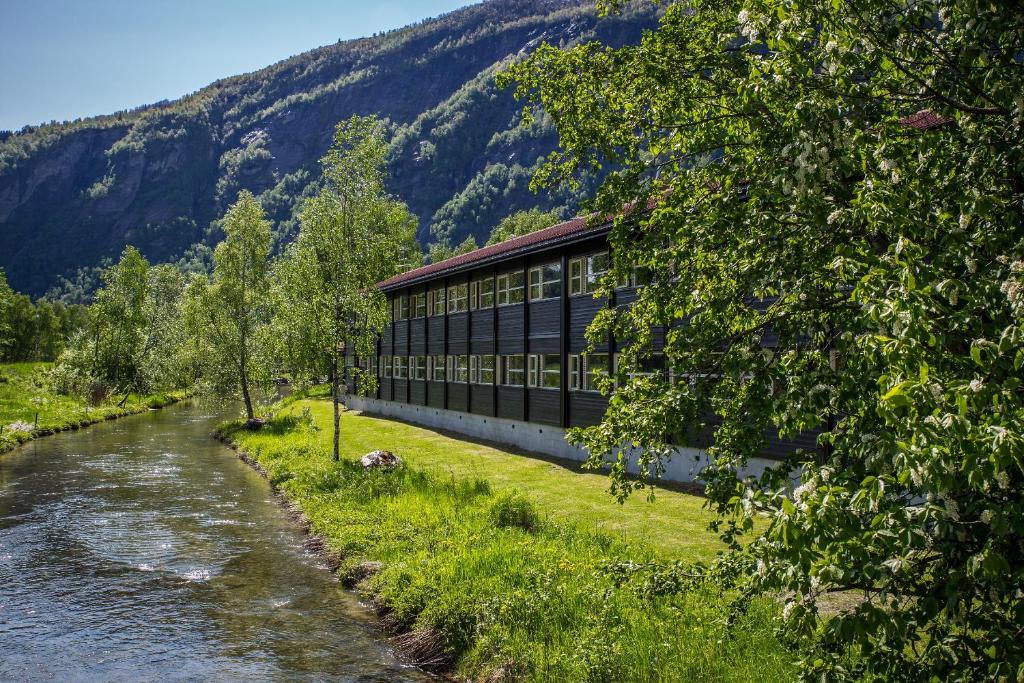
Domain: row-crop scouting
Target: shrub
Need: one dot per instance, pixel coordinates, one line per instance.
(513, 510)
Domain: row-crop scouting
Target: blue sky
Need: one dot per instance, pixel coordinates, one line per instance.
(64, 59)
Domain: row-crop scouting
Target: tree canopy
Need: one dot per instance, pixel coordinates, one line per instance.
(835, 241)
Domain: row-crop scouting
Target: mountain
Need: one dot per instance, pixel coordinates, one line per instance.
(73, 194)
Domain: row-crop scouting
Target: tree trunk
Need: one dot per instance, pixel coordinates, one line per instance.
(334, 400)
(244, 377)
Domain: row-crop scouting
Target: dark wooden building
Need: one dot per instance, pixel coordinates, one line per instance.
(498, 335)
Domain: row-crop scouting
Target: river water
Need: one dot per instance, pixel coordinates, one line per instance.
(142, 549)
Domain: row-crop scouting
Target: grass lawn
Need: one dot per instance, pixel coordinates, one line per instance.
(497, 566)
(29, 407)
(674, 522)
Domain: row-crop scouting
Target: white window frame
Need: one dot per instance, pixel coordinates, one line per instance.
(454, 300)
(504, 289)
(435, 302)
(504, 372)
(541, 284)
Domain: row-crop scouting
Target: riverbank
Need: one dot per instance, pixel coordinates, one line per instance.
(481, 580)
(30, 408)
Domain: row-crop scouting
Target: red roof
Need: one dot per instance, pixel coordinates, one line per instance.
(554, 233)
(925, 120)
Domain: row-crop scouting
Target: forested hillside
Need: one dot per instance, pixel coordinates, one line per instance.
(73, 194)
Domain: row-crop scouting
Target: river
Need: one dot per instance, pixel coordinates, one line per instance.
(142, 549)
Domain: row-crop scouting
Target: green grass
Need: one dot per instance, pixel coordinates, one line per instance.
(27, 397)
(496, 564)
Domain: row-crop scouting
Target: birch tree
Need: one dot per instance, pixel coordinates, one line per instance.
(228, 317)
(352, 235)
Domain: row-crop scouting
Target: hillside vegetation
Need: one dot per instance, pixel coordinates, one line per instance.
(73, 194)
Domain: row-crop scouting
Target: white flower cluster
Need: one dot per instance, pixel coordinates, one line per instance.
(748, 29)
(1013, 287)
(952, 509)
(20, 426)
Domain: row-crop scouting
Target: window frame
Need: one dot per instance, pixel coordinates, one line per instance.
(436, 302)
(453, 301)
(542, 284)
(504, 371)
(509, 289)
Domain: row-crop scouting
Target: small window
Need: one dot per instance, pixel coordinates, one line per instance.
(457, 295)
(418, 367)
(419, 305)
(401, 367)
(585, 273)
(401, 307)
(544, 371)
(437, 368)
(385, 364)
(597, 268)
(546, 281)
(481, 369)
(458, 369)
(510, 288)
(595, 365)
(435, 301)
(481, 294)
(575, 369)
(512, 370)
(576, 276)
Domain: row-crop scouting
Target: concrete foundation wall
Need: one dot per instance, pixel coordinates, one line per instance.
(685, 466)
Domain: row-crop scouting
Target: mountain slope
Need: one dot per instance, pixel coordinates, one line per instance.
(158, 177)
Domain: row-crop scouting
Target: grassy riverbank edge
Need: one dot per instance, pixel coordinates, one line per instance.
(72, 415)
(485, 585)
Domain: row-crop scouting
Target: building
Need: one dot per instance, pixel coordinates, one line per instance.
(491, 344)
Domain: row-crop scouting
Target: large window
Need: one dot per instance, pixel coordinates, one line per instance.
(435, 301)
(481, 294)
(458, 369)
(457, 298)
(510, 288)
(385, 365)
(436, 368)
(417, 367)
(544, 370)
(512, 370)
(546, 281)
(418, 305)
(400, 307)
(585, 369)
(586, 271)
(481, 369)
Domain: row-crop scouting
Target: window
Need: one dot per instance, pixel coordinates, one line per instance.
(419, 305)
(649, 365)
(481, 294)
(586, 271)
(457, 298)
(546, 281)
(435, 301)
(512, 371)
(510, 288)
(436, 368)
(385, 364)
(481, 369)
(585, 369)
(458, 369)
(544, 370)
(401, 367)
(400, 307)
(638, 277)
(417, 367)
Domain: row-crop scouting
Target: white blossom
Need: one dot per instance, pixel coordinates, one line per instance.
(1003, 479)
(976, 385)
(986, 516)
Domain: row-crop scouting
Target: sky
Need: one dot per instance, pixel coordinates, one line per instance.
(65, 59)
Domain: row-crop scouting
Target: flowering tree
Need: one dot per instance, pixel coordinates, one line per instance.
(836, 245)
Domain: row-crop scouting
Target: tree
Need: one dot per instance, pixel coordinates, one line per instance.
(6, 304)
(228, 318)
(117, 321)
(522, 223)
(836, 244)
(351, 236)
(443, 250)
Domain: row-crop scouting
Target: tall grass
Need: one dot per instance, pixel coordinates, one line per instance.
(30, 407)
(491, 586)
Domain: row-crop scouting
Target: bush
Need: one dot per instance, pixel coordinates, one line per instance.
(513, 510)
